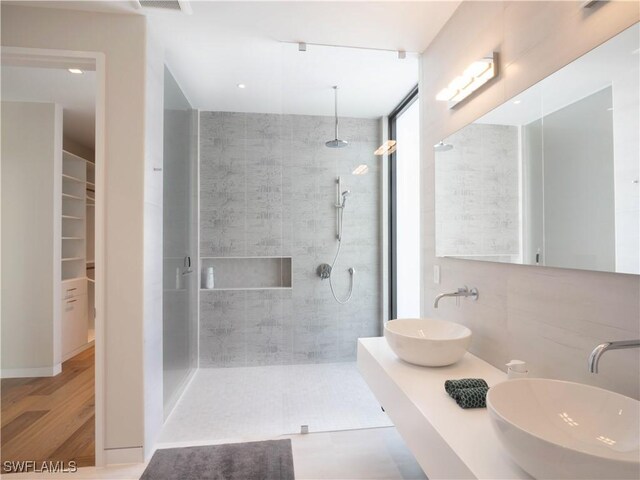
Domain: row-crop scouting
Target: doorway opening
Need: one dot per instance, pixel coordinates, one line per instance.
(52, 256)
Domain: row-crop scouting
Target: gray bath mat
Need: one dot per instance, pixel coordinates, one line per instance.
(270, 460)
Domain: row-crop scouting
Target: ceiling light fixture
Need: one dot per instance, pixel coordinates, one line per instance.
(517, 102)
(241, 85)
(386, 148)
(474, 76)
(76, 71)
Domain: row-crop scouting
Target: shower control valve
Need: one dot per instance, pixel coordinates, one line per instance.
(324, 271)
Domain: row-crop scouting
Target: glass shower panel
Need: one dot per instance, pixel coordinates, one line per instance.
(179, 242)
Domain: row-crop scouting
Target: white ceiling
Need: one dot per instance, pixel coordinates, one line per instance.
(582, 77)
(225, 43)
(280, 79)
(76, 94)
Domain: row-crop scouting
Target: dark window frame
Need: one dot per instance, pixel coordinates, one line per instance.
(406, 102)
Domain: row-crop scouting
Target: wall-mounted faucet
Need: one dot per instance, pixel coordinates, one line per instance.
(594, 358)
(461, 292)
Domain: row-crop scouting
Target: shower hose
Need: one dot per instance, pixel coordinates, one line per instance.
(335, 259)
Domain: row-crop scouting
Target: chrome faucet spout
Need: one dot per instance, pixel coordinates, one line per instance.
(441, 296)
(594, 357)
(461, 292)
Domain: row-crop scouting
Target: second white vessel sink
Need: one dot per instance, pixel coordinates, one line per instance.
(564, 430)
(427, 341)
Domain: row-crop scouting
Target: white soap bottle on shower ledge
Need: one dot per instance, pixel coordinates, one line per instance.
(209, 279)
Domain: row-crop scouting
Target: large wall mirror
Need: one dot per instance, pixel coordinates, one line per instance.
(551, 177)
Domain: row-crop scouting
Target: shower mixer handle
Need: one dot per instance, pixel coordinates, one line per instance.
(324, 271)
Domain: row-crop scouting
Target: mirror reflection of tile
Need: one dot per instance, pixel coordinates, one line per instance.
(551, 176)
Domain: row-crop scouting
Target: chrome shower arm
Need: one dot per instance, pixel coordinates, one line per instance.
(335, 89)
(338, 207)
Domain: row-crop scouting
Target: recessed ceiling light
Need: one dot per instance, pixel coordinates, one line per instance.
(517, 102)
(241, 85)
(77, 71)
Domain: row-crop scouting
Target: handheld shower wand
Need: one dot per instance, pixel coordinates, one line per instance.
(325, 270)
(345, 194)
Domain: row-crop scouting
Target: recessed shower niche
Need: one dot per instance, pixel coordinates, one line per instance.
(246, 273)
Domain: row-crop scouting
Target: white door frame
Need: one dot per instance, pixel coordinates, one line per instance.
(39, 57)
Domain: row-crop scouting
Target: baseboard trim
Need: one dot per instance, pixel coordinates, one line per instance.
(78, 350)
(51, 371)
(116, 456)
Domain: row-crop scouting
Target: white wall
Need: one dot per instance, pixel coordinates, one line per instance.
(31, 230)
(551, 318)
(153, 164)
(129, 160)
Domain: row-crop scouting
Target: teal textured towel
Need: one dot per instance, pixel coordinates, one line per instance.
(475, 397)
(452, 385)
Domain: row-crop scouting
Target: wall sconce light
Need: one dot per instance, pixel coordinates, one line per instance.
(475, 75)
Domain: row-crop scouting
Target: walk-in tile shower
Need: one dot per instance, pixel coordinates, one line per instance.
(276, 350)
(284, 169)
(268, 191)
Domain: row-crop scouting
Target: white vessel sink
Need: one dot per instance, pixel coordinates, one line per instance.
(427, 341)
(559, 430)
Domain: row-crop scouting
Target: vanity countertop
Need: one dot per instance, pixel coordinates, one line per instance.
(447, 441)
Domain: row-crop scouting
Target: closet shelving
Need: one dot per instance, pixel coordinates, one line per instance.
(90, 199)
(78, 279)
(74, 176)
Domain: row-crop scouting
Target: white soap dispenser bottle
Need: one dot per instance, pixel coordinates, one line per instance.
(517, 369)
(209, 281)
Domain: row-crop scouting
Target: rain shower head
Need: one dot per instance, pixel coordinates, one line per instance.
(442, 147)
(336, 142)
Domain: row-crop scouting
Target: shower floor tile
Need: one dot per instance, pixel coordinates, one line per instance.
(249, 403)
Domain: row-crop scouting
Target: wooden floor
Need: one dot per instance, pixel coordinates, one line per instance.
(51, 418)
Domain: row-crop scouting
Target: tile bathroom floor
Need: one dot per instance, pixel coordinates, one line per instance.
(249, 403)
(371, 454)
(350, 439)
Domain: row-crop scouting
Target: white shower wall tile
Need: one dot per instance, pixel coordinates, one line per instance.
(268, 189)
